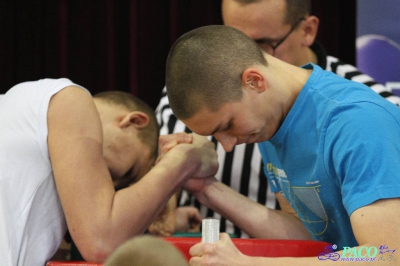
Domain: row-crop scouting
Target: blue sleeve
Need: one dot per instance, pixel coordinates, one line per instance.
(362, 151)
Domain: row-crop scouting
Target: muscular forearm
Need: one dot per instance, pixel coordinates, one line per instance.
(131, 210)
(253, 218)
(382, 216)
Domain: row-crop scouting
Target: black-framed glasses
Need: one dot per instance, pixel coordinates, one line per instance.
(279, 42)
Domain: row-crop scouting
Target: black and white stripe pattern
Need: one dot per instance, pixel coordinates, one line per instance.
(242, 168)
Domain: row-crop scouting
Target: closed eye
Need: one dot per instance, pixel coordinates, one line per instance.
(229, 126)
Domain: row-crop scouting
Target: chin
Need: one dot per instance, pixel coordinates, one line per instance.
(260, 138)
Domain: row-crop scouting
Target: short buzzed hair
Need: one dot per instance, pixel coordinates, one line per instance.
(149, 134)
(295, 9)
(205, 67)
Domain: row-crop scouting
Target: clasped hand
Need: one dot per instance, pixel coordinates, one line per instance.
(195, 150)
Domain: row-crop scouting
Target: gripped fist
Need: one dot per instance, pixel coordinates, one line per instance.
(206, 157)
(195, 152)
(167, 142)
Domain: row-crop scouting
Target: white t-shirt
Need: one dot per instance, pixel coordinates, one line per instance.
(32, 222)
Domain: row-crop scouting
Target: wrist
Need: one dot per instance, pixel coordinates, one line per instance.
(205, 193)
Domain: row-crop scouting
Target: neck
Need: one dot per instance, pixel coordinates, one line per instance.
(311, 57)
(288, 79)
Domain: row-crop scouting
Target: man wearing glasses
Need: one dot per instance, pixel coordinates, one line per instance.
(287, 30)
(270, 47)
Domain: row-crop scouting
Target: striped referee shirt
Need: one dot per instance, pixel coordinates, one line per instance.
(242, 168)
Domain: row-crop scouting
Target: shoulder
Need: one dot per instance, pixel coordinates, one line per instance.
(72, 111)
(368, 127)
(369, 114)
(70, 99)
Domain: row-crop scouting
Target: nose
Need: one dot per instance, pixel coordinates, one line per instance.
(227, 141)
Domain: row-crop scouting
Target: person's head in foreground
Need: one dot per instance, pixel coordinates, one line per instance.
(217, 78)
(146, 250)
(130, 135)
(283, 28)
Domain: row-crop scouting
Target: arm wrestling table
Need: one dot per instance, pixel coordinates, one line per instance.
(251, 247)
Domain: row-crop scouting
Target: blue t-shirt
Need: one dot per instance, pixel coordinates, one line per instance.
(337, 150)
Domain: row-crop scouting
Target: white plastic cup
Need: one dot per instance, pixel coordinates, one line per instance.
(210, 230)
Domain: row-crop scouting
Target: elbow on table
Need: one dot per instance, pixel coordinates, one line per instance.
(97, 252)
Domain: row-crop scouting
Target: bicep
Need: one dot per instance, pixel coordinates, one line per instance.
(362, 155)
(75, 147)
(378, 223)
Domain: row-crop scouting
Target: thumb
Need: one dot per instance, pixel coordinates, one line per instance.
(224, 237)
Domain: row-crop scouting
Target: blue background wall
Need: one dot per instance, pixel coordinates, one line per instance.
(379, 17)
(378, 57)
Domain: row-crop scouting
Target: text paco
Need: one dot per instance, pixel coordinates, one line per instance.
(359, 252)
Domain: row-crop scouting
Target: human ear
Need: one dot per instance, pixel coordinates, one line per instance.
(310, 30)
(253, 79)
(136, 119)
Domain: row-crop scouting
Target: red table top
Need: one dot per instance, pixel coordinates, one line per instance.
(72, 263)
(251, 247)
(261, 247)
